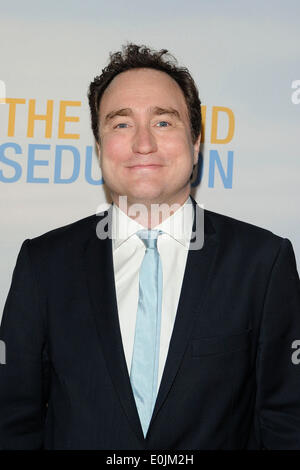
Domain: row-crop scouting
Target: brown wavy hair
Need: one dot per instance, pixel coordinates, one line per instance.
(134, 56)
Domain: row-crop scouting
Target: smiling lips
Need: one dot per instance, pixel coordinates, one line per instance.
(150, 167)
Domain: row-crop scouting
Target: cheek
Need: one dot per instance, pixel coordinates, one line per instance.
(115, 150)
(178, 150)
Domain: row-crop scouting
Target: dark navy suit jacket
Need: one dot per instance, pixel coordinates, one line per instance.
(229, 380)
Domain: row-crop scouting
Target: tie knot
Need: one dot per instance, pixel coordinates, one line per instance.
(149, 237)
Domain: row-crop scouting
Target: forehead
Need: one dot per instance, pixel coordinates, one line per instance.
(142, 88)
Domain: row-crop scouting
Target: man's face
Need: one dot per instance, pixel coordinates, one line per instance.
(146, 150)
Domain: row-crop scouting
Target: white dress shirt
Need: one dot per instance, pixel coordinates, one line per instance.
(128, 253)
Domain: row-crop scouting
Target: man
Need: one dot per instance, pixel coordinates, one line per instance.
(120, 332)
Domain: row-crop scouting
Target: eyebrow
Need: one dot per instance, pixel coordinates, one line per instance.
(156, 111)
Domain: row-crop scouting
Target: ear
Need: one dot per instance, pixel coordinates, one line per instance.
(98, 151)
(197, 149)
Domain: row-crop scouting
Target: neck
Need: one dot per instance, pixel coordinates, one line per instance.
(149, 213)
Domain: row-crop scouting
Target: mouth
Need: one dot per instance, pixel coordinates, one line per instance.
(150, 167)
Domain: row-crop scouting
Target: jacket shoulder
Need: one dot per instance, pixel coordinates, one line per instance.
(241, 233)
(71, 235)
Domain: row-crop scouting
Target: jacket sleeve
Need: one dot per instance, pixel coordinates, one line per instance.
(278, 357)
(24, 375)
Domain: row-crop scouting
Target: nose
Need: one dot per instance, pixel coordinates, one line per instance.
(144, 141)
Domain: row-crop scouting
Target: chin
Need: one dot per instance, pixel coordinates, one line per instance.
(144, 197)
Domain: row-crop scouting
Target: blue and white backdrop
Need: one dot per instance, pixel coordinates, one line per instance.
(244, 57)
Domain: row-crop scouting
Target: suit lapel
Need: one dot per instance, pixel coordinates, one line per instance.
(101, 285)
(195, 285)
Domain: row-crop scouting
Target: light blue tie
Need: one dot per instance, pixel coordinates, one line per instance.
(145, 357)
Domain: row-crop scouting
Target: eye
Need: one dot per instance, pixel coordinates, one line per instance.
(163, 122)
(123, 124)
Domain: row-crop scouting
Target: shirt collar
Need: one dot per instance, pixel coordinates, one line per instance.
(178, 225)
